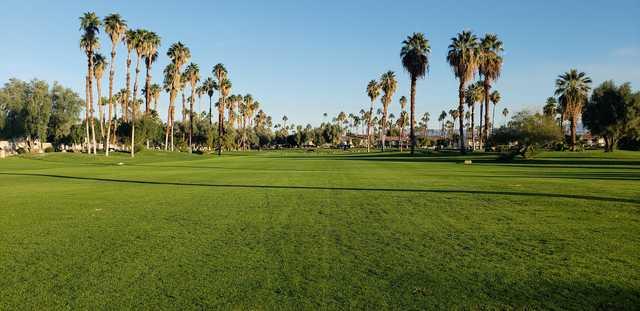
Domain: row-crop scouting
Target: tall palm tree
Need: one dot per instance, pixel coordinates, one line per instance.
(442, 118)
(99, 63)
(489, 67)
(139, 46)
(130, 40)
(474, 94)
(89, 42)
(388, 84)
(179, 55)
(373, 91)
(495, 99)
(463, 58)
(150, 44)
(573, 87)
(415, 60)
(402, 119)
(223, 83)
(192, 72)
(209, 86)
(115, 27)
(425, 123)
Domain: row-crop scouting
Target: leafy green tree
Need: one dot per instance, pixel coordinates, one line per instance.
(529, 130)
(610, 112)
(65, 108)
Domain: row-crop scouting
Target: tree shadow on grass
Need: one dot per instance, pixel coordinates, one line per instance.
(452, 191)
(483, 158)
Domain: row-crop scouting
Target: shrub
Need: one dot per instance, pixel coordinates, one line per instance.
(49, 149)
(22, 150)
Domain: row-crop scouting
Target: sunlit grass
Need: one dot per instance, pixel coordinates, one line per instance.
(311, 230)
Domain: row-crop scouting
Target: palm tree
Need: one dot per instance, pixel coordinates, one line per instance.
(150, 44)
(550, 107)
(489, 67)
(89, 42)
(388, 84)
(130, 39)
(441, 118)
(192, 72)
(208, 87)
(495, 99)
(139, 46)
(505, 112)
(473, 94)
(155, 94)
(402, 119)
(179, 55)
(415, 60)
(573, 87)
(223, 83)
(246, 115)
(425, 123)
(373, 91)
(115, 27)
(99, 64)
(463, 58)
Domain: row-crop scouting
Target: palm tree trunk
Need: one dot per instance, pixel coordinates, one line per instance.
(147, 86)
(86, 112)
(573, 133)
(412, 134)
(184, 108)
(100, 108)
(369, 127)
(220, 123)
(110, 112)
(383, 135)
(210, 115)
(473, 125)
(133, 106)
(191, 118)
(125, 113)
(93, 129)
(487, 86)
(480, 130)
(493, 118)
(461, 114)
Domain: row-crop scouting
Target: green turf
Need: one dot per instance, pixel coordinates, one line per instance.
(296, 230)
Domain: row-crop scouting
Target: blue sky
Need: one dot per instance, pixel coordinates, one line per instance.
(302, 58)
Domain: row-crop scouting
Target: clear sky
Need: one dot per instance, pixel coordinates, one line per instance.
(305, 57)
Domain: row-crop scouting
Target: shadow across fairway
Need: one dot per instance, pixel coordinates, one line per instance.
(479, 192)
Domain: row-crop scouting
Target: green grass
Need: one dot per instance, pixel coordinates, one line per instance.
(301, 230)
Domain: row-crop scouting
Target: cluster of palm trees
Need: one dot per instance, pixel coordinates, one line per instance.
(414, 55)
(467, 56)
(145, 44)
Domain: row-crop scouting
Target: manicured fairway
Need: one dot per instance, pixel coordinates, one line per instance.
(302, 230)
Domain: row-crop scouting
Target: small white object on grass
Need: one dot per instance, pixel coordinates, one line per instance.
(120, 163)
(467, 162)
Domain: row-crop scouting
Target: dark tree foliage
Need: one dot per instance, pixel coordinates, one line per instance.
(612, 112)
